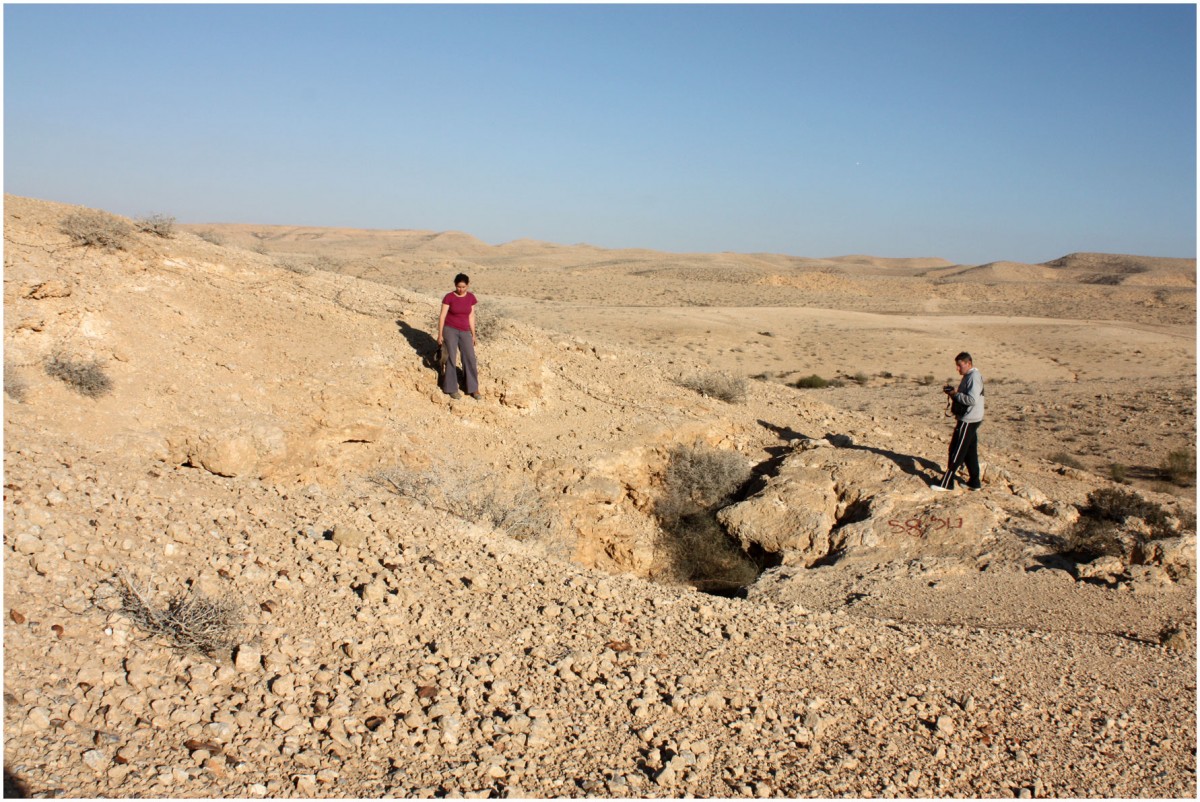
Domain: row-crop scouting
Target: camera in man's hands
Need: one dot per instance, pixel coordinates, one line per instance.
(948, 389)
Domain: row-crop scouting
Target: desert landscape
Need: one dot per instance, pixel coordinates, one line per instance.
(683, 545)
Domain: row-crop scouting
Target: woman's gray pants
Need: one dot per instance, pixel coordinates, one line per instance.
(455, 341)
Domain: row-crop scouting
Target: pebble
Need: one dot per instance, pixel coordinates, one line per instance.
(28, 544)
(96, 760)
(38, 718)
(248, 659)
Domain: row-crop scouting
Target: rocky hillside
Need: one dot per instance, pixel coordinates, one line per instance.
(252, 550)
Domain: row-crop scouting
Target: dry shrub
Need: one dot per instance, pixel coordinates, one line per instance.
(294, 266)
(490, 327)
(86, 377)
(15, 385)
(208, 235)
(96, 228)
(329, 263)
(730, 389)
(475, 495)
(191, 621)
(699, 481)
(160, 225)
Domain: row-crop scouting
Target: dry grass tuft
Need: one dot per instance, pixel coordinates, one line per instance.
(475, 495)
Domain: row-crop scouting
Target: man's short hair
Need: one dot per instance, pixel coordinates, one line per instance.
(964, 357)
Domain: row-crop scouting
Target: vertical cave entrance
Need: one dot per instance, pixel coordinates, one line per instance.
(698, 483)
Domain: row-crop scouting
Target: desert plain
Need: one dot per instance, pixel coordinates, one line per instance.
(420, 596)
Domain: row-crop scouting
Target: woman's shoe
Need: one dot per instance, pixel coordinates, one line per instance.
(456, 395)
(476, 396)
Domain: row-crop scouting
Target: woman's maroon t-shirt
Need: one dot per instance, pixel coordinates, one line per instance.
(459, 316)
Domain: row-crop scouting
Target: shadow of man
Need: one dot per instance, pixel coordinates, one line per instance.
(14, 787)
(912, 465)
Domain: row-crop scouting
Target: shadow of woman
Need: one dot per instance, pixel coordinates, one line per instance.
(425, 346)
(431, 354)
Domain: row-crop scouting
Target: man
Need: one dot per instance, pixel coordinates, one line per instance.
(967, 404)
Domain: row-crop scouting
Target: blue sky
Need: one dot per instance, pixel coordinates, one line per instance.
(974, 133)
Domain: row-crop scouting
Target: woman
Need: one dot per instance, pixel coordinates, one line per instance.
(456, 328)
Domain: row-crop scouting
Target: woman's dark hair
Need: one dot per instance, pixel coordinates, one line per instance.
(462, 278)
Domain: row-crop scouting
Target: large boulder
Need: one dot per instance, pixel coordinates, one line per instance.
(828, 501)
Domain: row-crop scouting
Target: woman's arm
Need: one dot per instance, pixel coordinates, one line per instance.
(442, 321)
(472, 321)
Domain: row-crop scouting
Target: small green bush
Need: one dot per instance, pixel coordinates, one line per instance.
(1063, 458)
(86, 377)
(1118, 472)
(813, 382)
(1114, 504)
(1179, 467)
(1105, 526)
(160, 225)
(860, 377)
(96, 228)
(730, 389)
(927, 380)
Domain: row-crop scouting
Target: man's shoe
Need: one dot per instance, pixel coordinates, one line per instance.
(941, 489)
(974, 488)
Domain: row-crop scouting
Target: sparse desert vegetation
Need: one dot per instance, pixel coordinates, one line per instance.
(15, 384)
(160, 225)
(84, 376)
(813, 382)
(189, 620)
(97, 229)
(698, 482)
(727, 388)
(1179, 467)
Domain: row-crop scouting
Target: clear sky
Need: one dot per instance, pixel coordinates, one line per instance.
(971, 132)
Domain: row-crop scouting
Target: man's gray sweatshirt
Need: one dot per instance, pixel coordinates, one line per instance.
(970, 395)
